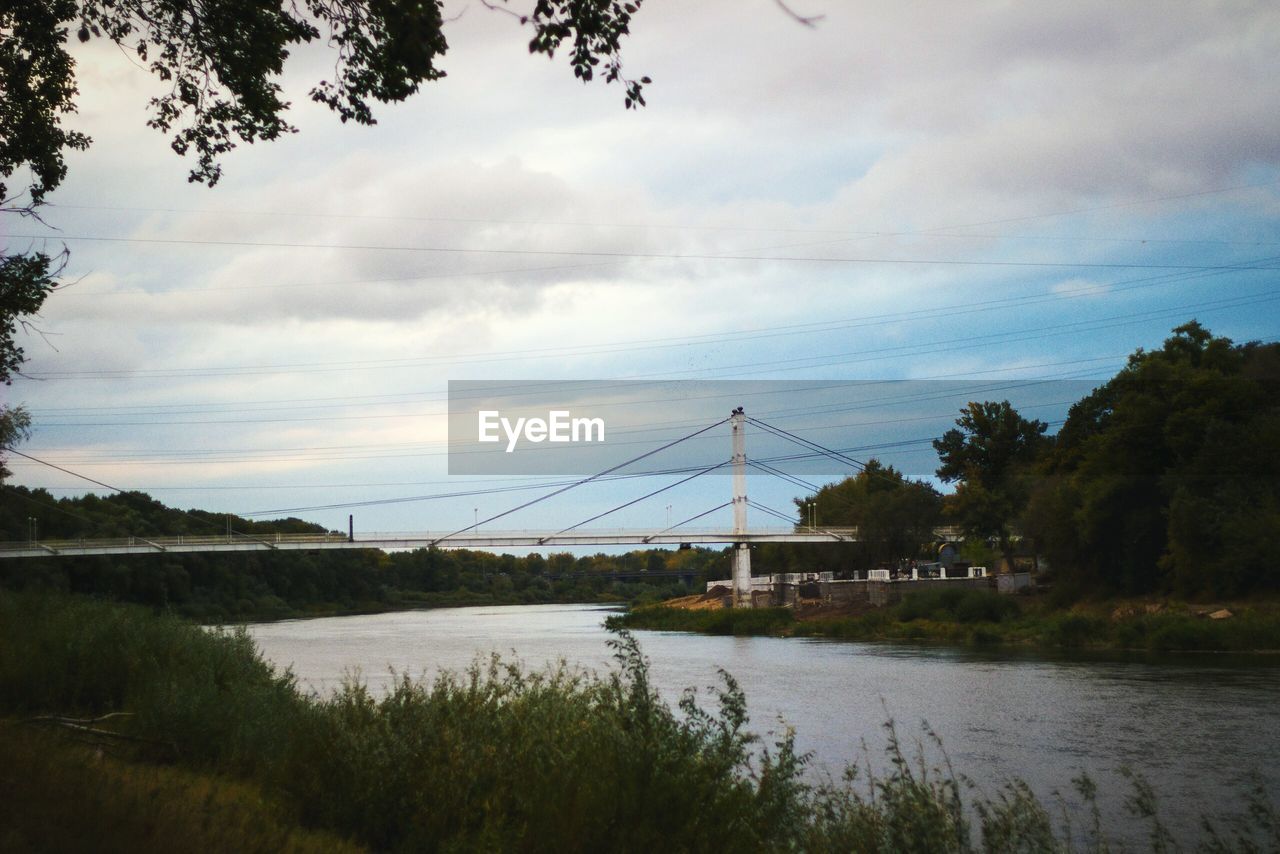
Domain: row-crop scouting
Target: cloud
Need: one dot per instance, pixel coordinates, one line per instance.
(762, 138)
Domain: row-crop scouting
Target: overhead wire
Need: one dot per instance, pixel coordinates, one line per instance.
(647, 256)
(635, 501)
(639, 344)
(347, 215)
(583, 481)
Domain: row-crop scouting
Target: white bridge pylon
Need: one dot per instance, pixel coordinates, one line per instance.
(741, 548)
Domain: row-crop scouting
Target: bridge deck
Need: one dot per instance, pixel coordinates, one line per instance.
(497, 539)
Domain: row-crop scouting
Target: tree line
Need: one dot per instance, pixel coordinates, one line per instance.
(267, 585)
(1166, 478)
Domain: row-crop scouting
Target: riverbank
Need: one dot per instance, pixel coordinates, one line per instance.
(983, 618)
(408, 602)
(498, 758)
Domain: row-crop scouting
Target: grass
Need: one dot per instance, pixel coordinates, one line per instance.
(60, 795)
(496, 758)
(978, 617)
(722, 621)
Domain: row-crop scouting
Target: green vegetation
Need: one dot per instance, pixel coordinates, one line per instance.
(64, 796)
(218, 588)
(963, 605)
(218, 749)
(987, 455)
(980, 617)
(1164, 480)
(894, 515)
(1167, 478)
(719, 621)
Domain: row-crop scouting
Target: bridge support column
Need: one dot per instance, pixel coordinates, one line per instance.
(741, 550)
(742, 575)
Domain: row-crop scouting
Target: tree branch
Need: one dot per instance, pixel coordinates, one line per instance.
(810, 21)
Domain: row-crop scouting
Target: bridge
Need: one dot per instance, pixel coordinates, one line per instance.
(479, 535)
(238, 542)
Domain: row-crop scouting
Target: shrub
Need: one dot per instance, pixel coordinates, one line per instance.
(499, 758)
(957, 604)
(1072, 630)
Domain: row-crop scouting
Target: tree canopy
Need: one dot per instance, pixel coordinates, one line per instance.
(222, 61)
(1168, 476)
(989, 453)
(895, 517)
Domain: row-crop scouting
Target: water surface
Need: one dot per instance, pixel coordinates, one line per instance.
(1194, 725)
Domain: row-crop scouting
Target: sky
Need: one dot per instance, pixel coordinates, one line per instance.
(980, 193)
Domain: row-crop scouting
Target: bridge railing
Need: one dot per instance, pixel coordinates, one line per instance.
(180, 540)
(518, 538)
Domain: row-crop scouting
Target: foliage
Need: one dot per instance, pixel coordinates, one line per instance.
(1168, 476)
(62, 796)
(15, 427)
(989, 454)
(494, 759)
(975, 617)
(274, 585)
(894, 516)
(222, 64)
(717, 621)
(38, 79)
(958, 604)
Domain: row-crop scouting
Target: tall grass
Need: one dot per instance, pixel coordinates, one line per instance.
(718, 621)
(496, 758)
(979, 617)
(957, 604)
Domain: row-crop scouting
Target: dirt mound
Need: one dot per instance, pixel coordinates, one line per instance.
(711, 600)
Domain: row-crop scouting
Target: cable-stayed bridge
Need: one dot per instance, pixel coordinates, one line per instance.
(238, 542)
(482, 534)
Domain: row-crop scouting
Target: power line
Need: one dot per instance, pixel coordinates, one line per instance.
(663, 226)
(347, 401)
(669, 425)
(634, 501)
(684, 522)
(585, 480)
(204, 522)
(652, 343)
(751, 502)
(648, 256)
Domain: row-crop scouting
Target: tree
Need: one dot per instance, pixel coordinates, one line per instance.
(1168, 476)
(15, 426)
(989, 455)
(894, 516)
(222, 61)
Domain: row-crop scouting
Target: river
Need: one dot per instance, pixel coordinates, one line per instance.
(1195, 726)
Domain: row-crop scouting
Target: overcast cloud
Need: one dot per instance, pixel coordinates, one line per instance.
(954, 189)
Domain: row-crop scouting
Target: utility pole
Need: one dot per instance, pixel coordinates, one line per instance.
(741, 549)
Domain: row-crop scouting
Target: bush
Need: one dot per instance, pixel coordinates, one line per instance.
(494, 759)
(208, 693)
(1072, 630)
(720, 621)
(964, 605)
